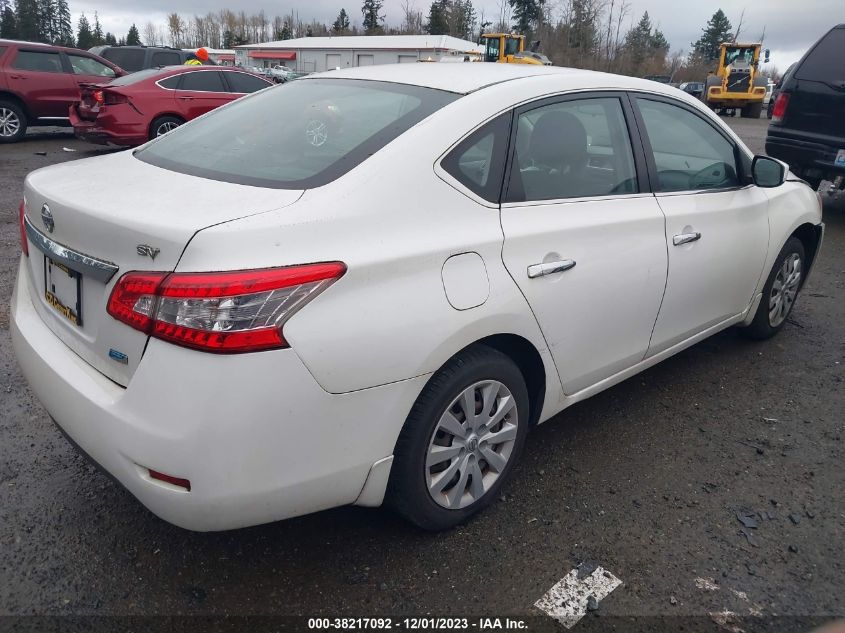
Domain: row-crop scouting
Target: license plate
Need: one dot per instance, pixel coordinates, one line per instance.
(62, 290)
(840, 158)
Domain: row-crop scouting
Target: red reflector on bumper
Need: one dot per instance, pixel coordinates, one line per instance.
(170, 479)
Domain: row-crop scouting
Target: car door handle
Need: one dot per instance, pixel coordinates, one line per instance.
(16, 77)
(686, 238)
(549, 268)
(186, 98)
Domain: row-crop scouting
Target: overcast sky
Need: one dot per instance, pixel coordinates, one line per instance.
(791, 26)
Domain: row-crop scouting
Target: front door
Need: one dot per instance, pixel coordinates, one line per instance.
(717, 227)
(584, 239)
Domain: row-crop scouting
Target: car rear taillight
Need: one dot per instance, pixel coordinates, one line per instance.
(779, 111)
(114, 98)
(22, 222)
(229, 312)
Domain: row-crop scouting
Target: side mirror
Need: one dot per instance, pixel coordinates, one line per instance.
(768, 172)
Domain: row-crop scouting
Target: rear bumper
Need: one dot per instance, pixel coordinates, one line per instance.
(105, 130)
(802, 154)
(255, 434)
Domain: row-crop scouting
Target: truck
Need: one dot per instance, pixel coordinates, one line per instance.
(508, 48)
(737, 84)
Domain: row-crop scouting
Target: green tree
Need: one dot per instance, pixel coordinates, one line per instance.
(111, 40)
(97, 31)
(47, 22)
(645, 48)
(438, 18)
(718, 30)
(286, 31)
(527, 14)
(133, 38)
(341, 24)
(8, 21)
(27, 19)
(84, 37)
(372, 20)
(64, 27)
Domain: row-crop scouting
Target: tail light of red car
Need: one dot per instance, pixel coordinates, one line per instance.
(107, 97)
(225, 312)
(779, 111)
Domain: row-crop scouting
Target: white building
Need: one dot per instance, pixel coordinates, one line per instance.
(316, 54)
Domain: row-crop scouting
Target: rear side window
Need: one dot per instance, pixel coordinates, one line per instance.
(166, 59)
(826, 63)
(203, 81)
(171, 83)
(478, 162)
(299, 135)
(130, 59)
(38, 61)
(244, 83)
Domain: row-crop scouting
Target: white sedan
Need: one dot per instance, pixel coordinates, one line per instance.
(244, 321)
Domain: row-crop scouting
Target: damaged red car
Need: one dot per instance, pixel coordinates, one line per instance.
(136, 108)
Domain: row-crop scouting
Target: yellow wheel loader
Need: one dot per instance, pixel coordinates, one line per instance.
(507, 48)
(737, 84)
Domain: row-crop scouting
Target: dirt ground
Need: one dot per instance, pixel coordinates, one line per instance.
(647, 479)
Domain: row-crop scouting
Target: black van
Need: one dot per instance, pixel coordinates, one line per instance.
(808, 118)
(135, 58)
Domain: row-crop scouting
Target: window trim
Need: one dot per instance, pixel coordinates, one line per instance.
(637, 150)
(742, 163)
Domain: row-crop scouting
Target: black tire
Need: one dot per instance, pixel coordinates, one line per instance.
(407, 490)
(761, 327)
(13, 122)
(752, 110)
(162, 122)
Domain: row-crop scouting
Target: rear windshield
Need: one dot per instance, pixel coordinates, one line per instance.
(129, 59)
(827, 60)
(141, 75)
(298, 135)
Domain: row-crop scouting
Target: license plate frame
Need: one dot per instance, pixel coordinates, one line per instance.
(70, 282)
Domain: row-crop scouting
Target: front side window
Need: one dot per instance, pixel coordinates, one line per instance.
(511, 46)
(244, 83)
(38, 61)
(89, 66)
(203, 81)
(572, 149)
(492, 50)
(299, 135)
(689, 153)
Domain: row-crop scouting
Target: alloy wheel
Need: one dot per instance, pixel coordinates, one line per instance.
(784, 289)
(166, 127)
(10, 123)
(471, 444)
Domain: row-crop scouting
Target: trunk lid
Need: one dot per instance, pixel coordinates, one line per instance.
(126, 215)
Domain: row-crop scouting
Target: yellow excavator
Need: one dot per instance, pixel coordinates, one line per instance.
(507, 48)
(737, 83)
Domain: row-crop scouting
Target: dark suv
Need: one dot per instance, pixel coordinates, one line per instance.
(38, 82)
(808, 118)
(135, 58)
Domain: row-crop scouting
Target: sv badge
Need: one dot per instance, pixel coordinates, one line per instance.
(145, 250)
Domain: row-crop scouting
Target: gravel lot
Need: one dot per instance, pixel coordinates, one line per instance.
(646, 479)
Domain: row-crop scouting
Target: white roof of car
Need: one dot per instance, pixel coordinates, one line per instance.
(471, 76)
(372, 42)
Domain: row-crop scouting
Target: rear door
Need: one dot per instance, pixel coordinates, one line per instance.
(717, 227)
(201, 91)
(817, 99)
(39, 77)
(584, 238)
(239, 83)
